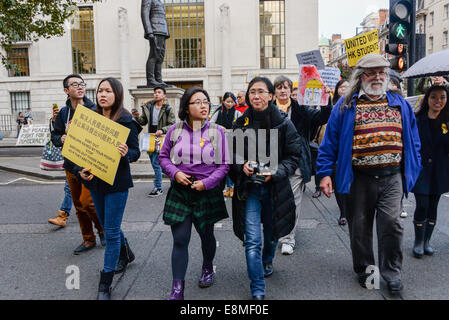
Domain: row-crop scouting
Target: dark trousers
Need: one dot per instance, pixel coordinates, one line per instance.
(156, 58)
(376, 197)
(426, 206)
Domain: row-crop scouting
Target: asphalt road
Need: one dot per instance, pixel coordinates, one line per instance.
(21, 152)
(37, 255)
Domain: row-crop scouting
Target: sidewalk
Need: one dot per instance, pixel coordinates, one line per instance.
(29, 166)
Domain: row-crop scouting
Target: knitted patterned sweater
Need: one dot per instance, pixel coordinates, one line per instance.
(377, 145)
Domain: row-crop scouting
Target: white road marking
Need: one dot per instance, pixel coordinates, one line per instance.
(31, 180)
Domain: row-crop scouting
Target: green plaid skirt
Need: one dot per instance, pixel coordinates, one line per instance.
(206, 207)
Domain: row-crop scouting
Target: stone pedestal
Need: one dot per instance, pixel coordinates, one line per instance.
(142, 96)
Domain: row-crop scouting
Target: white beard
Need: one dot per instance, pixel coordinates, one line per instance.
(366, 86)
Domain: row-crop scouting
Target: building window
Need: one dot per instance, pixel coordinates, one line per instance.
(19, 58)
(445, 39)
(432, 18)
(20, 101)
(90, 94)
(272, 34)
(431, 44)
(446, 11)
(186, 46)
(83, 43)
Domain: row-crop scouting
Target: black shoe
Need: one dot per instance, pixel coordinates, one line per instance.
(267, 269)
(155, 193)
(430, 225)
(102, 239)
(126, 257)
(85, 246)
(394, 287)
(362, 279)
(152, 84)
(261, 297)
(104, 288)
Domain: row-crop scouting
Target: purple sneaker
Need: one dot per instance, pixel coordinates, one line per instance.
(207, 277)
(177, 292)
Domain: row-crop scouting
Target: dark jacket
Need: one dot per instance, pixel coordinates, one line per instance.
(434, 177)
(306, 121)
(60, 126)
(166, 119)
(123, 179)
(153, 18)
(282, 199)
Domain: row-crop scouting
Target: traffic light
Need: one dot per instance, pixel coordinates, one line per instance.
(400, 20)
(399, 62)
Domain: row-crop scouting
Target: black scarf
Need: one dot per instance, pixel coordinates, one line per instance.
(226, 117)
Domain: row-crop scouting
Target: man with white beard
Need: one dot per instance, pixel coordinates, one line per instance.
(373, 140)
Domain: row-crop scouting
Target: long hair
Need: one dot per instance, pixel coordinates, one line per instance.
(117, 109)
(354, 85)
(185, 101)
(228, 95)
(336, 95)
(443, 117)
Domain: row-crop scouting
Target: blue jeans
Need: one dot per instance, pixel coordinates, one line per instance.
(258, 205)
(229, 182)
(110, 208)
(66, 204)
(157, 169)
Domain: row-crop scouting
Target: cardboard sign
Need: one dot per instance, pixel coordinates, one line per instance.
(150, 143)
(330, 76)
(33, 135)
(311, 58)
(311, 90)
(362, 45)
(92, 142)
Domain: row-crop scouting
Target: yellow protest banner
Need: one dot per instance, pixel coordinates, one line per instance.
(361, 45)
(92, 142)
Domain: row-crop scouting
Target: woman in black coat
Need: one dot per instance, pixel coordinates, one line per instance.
(263, 196)
(433, 123)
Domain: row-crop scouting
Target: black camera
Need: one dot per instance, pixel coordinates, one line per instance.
(257, 177)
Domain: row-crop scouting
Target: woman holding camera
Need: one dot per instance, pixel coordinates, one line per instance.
(263, 193)
(195, 195)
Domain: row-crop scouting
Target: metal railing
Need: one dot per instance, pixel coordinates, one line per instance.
(7, 123)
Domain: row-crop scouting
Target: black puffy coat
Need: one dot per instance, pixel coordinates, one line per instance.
(282, 198)
(434, 176)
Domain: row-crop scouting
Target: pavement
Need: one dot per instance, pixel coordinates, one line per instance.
(37, 261)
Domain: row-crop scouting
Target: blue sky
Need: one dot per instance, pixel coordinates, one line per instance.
(343, 16)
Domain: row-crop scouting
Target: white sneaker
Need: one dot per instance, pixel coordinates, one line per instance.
(286, 249)
(403, 214)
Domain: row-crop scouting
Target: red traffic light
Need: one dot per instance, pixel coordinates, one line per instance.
(399, 63)
(395, 49)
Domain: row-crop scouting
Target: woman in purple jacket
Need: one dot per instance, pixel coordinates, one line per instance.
(195, 196)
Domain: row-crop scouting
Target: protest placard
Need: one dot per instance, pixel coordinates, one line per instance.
(33, 135)
(311, 90)
(149, 142)
(92, 142)
(415, 101)
(311, 58)
(361, 45)
(330, 76)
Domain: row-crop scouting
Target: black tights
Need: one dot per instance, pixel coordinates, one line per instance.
(181, 238)
(426, 206)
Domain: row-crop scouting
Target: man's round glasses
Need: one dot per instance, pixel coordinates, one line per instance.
(199, 103)
(78, 84)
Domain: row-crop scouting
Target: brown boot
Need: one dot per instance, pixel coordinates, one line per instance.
(226, 192)
(60, 219)
(231, 192)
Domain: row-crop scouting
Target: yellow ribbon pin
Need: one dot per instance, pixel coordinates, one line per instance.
(202, 142)
(444, 127)
(246, 122)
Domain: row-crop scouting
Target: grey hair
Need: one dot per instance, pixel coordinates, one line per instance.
(354, 86)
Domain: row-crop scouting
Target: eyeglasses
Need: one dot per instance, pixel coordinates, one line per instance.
(199, 103)
(374, 74)
(257, 92)
(78, 84)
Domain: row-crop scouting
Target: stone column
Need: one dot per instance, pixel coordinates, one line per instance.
(124, 55)
(225, 28)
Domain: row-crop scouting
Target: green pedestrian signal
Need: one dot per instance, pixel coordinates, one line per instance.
(400, 21)
(400, 31)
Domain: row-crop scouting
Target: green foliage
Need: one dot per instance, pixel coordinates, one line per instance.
(32, 20)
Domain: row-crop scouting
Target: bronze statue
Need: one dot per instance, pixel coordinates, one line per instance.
(156, 31)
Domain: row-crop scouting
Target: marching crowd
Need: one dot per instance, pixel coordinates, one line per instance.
(367, 145)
